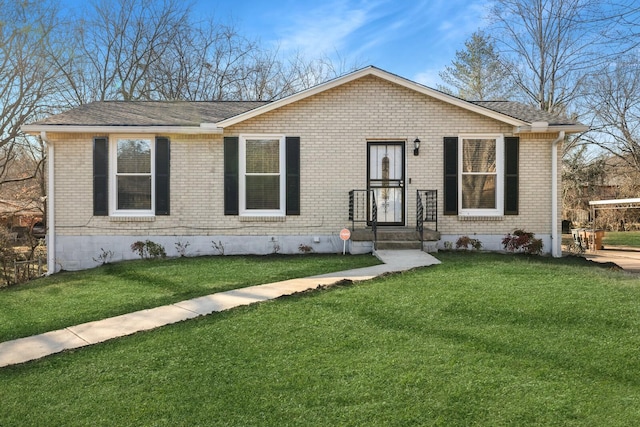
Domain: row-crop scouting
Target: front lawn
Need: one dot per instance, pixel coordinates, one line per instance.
(621, 238)
(67, 299)
(482, 339)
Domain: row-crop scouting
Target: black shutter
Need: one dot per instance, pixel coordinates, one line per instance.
(511, 155)
(100, 176)
(451, 175)
(293, 175)
(163, 155)
(231, 175)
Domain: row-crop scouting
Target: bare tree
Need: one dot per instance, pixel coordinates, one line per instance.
(273, 77)
(27, 79)
(305, 73)
(554, 45)
(117, 46)
(477, 73)
(582, 176)
(614, 99)
(205, 62)
(155, 50)
(214, 62)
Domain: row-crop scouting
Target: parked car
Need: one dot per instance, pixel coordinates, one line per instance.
(39, 230)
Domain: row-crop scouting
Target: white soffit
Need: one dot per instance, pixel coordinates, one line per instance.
(184, 130)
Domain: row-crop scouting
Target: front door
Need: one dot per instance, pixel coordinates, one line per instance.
(386, 179)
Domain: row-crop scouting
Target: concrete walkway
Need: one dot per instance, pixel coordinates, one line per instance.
(30, 348)
(626, 258)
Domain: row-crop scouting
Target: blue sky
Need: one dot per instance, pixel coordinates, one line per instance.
(412, 38)
(415, 39)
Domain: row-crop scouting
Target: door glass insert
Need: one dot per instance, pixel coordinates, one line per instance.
(386, 179)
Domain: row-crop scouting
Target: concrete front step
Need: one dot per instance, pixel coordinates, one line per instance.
(394, 238)
(398, 245)
(398, 235)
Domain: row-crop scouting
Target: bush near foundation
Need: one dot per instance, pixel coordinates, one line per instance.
(148, 249)
(521, 241)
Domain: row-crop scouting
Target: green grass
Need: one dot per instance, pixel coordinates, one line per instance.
(483, 339)
(68, 299)
(621, 238)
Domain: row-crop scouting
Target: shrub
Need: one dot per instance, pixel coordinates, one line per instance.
(219, 246)
(305, 249)
(148, 249)
(181, 248)
(464, 242)
(522, 241)
(104, 257)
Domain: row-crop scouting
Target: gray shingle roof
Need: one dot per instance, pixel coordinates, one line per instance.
(523, 112)
(193, 113)
(150, 113)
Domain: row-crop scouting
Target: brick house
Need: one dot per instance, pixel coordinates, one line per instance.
(367, 151)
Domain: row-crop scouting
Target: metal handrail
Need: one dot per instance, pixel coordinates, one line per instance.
(426, 210)
(374, 219)
(364, 209)
(419, 216)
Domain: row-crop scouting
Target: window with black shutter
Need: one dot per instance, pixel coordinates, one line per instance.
(262, 175)
(131, 176)
(481, 175)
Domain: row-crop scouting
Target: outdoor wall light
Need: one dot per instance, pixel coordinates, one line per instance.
(416, 147)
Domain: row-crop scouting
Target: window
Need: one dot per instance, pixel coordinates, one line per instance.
(486, 192)
(289, 172)
(131, 176)
(262, 175)
(481, 182)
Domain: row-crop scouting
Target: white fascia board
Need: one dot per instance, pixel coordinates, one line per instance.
(373, 71)
(181, 130)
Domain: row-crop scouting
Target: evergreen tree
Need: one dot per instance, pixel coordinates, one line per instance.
(477, 73)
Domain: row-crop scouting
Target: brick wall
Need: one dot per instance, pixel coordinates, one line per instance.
(334, 127)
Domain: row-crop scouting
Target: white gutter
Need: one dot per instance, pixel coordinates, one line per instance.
(182, 130)
(556, 241)
(551, 128)
(51, 224)
(613, 202)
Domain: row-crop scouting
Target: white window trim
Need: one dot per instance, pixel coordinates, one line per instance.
(242, 178)
(499, 209)
(113, 191)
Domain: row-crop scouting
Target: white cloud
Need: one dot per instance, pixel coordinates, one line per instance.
(419, 37)
(469, 20)
(324, 29)
(428, 77)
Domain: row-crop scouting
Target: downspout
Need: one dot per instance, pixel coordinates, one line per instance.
(556, 241)
(51, 225)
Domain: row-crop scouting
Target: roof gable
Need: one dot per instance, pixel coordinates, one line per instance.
(373, 71)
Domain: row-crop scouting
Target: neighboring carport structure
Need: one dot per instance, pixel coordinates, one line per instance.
(614, 204)
(626, 258)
